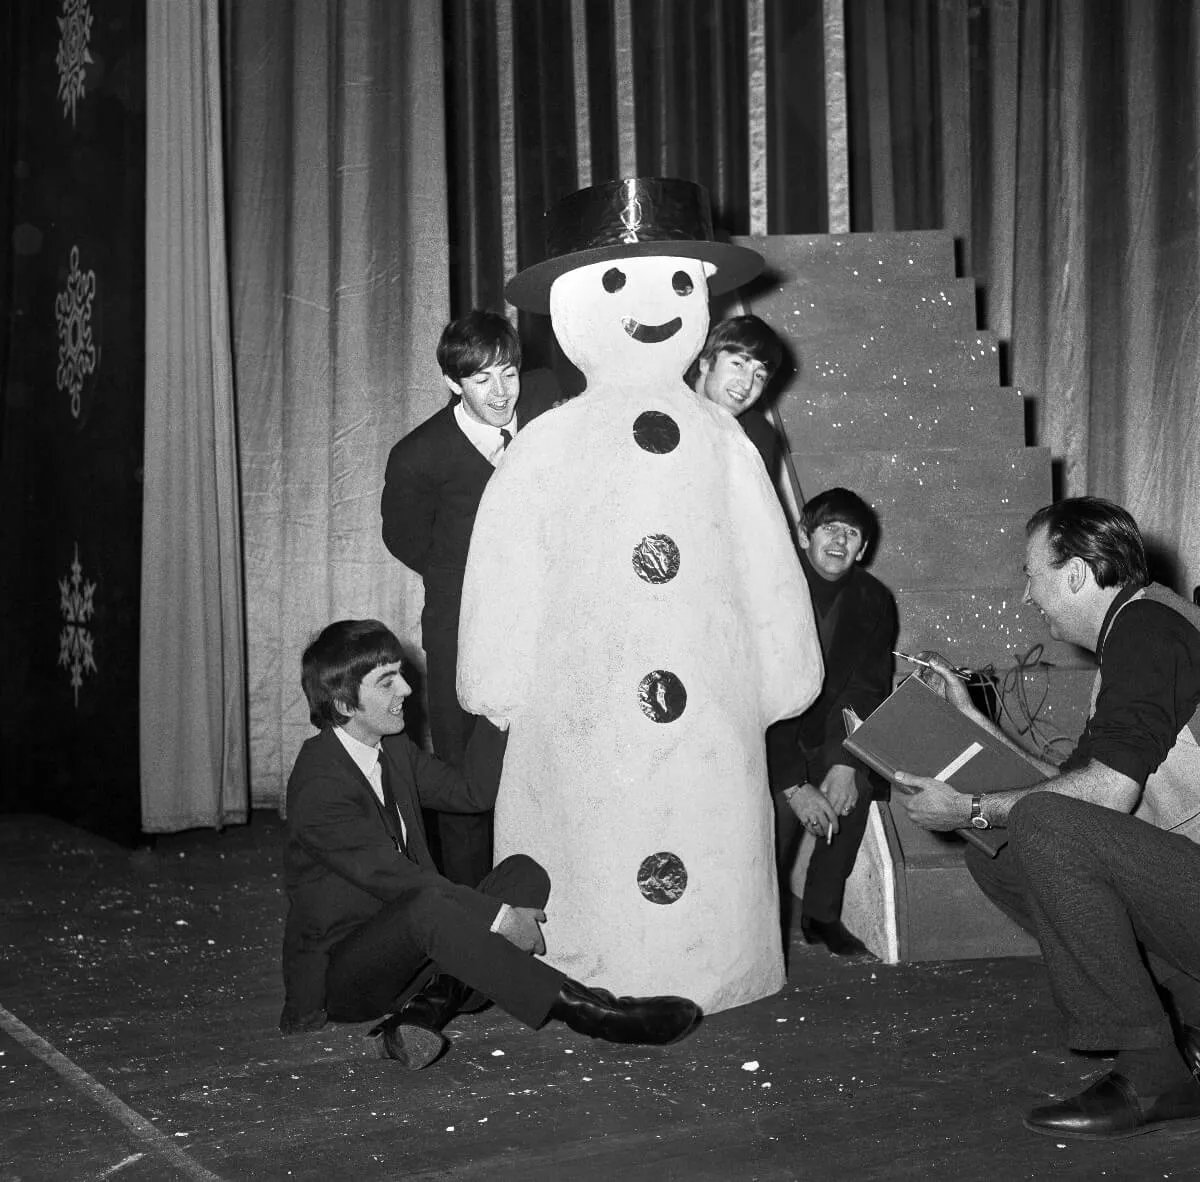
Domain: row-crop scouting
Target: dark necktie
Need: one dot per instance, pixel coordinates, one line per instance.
(390, 798)
(505, 438)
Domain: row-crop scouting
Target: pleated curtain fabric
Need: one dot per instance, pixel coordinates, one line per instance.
(339, 289)
(192, 689)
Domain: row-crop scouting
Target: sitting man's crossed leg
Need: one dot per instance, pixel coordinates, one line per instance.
(372, 928)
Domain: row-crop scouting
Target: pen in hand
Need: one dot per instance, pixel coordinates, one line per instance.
(829, 834)
(961, 672)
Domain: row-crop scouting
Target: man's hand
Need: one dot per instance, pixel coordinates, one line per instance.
(933, 804)
(839, 788)
(816, 814)
(522, 926)
(942, 678)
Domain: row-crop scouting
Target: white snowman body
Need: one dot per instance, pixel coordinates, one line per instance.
(635, 615)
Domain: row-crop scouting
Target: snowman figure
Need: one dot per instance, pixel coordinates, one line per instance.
(635, 616)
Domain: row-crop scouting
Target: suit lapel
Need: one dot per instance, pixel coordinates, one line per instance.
(400, 792)
(468, 454)
(386, 815)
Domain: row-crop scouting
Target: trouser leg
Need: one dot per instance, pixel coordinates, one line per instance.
(786, 764)
(1104, 890)
(428, 930)
(1003, 882)
(465, 838)
(831, 862)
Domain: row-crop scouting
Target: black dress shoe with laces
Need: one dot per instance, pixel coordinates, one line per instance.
(1111, 1108)
(413, 1035)
(833, 934)
(650, 1021)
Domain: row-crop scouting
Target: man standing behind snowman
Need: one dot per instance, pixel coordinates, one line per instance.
(435, 477)
(634, 615)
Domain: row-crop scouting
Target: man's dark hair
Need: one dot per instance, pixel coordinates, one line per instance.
(741, 334)
(336, 661)
(840, 504)
(1104, 535)
(475, 341)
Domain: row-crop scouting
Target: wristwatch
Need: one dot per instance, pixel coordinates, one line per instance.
(978, 820)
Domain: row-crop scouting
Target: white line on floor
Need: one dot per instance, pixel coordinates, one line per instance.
(79, 1079)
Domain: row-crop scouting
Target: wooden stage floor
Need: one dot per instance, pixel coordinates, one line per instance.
(139, 993)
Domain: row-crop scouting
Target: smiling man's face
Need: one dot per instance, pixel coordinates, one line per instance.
(833, 548)
(733, 379)
(646, 316)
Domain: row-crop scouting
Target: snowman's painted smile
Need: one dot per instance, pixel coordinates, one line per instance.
(651, 334)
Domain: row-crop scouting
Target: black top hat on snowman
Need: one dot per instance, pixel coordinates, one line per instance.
(631, 218)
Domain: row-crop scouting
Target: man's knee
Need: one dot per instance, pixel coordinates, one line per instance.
(424, 909)
(1039, 823)
(523, 878)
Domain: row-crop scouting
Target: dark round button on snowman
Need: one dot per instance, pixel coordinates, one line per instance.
(634, 614)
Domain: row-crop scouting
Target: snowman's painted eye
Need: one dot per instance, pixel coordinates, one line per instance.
(681, 281)
(614, 280)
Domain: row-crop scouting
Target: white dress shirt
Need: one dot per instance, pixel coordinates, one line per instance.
(485, 438)
(368, 759)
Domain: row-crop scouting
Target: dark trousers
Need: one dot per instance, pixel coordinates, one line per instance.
(831, 862)
(427, 930)
(465, 839)
(1114, 903)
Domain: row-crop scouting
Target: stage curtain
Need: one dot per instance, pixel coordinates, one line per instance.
(1083, 233)
(689, 72)
(339, 290)
(192, 684)
(72, 208)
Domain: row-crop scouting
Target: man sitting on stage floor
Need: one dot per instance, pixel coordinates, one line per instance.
(372, 927)
(1102, 863)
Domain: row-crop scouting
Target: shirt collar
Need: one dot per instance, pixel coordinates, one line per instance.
(366, 757)
(484, 436)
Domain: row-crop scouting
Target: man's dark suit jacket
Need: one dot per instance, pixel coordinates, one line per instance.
(345, 858)
(856, 642)
(432, 487)
(763, 435)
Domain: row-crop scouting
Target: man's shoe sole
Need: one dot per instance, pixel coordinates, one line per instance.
(1180, 1128)
(413, 1047)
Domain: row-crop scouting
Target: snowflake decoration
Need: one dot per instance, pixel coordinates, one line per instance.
(73, 310)
(74, 33)
(75, 640)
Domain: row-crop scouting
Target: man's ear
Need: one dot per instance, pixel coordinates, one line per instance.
(802, 537)
(452, 385)
(344, 708)
(1077, 573)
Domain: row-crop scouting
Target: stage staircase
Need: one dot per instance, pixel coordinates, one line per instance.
(896, 394)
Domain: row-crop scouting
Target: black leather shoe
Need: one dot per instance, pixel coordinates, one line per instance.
(1189, 1048)
(413, 1035)
(1110, 1108)
(833, 935)
(653, 1021)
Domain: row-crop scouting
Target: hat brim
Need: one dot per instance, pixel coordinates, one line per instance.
(530, 289)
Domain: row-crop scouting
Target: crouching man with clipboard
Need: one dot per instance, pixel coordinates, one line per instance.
(1102, 863)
